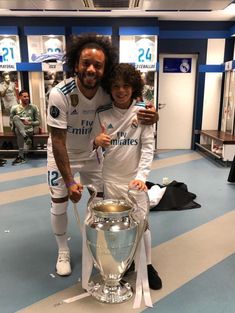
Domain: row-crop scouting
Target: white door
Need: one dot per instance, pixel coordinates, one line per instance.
(176, 95)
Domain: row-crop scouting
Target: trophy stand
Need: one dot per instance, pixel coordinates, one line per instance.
(106, 293)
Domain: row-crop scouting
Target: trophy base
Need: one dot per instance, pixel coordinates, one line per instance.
(115, 294)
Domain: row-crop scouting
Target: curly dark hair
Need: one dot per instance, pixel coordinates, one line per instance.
(91, 40)
(130, 75)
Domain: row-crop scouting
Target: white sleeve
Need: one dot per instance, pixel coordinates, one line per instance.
(57, 109)
(147, 152)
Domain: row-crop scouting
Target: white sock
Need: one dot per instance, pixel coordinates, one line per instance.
(147, 243)
(59, 221)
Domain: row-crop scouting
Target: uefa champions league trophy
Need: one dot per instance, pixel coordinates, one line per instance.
(113, 231)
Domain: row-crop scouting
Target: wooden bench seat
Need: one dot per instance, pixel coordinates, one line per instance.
(218, 144)
(8, 135)
(8, 143)
(221, 136)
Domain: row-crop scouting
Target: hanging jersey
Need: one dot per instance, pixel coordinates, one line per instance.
(9, 100)
(9, 50)
(145, 48)
(53, 45)
(130, 153)
(69, 109)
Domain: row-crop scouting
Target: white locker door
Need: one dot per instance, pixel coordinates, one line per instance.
(176, 104)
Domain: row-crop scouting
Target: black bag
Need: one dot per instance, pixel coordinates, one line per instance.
(176, 197)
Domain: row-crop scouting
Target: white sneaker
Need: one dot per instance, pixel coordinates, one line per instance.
(63, 267)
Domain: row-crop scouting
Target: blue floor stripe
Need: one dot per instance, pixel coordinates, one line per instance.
(24, 182)
(28, 250)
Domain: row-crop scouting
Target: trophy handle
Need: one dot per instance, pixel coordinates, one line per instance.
(92, 197)
(132, 198)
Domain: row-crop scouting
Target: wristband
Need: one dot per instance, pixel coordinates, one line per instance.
(72, 183)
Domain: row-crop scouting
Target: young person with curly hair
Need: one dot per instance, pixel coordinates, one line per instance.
(129, 147)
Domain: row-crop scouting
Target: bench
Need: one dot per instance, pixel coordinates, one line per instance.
(8, 143)
(219, 144)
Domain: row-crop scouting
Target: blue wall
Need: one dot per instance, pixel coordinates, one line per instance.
(174, 37)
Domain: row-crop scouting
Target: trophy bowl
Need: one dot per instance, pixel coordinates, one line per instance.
(112, 233)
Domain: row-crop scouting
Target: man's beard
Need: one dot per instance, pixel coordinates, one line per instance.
(82, 77)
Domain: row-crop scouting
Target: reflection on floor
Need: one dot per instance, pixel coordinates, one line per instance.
(193, 250)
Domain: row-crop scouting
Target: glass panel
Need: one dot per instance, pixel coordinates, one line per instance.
(9, 77)
(43, 48)
(49, 50)
(9, 93)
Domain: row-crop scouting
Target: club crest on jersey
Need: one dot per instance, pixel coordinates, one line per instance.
(74, 100)
(54, 111)
(134, 123)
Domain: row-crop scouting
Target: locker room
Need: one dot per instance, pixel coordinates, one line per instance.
(185, 52)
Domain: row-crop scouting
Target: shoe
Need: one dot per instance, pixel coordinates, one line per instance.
(18, 160)
(130, 269)
(63, 267)
(3, 161)
(155, 282)
(27, 140)
(5, 145)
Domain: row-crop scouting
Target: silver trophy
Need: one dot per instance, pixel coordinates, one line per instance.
(113, 231)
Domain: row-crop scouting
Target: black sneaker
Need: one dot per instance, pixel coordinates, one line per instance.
(18, 160)
(155, 282)
(3, 161)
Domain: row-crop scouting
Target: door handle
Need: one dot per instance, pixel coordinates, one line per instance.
(161, 105)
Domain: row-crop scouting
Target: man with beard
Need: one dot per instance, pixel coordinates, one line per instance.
(71, 112)
(24, 117)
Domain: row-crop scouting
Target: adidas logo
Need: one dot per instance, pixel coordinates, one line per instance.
(74, 112)
(110, 126)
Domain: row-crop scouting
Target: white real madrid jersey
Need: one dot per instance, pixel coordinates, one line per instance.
(70, 109)
(9, 99)
(146, 52)
(130, 154)
(9, 50)
(53, 45)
